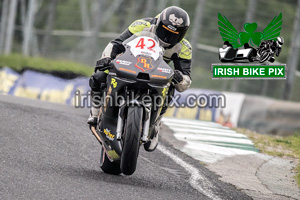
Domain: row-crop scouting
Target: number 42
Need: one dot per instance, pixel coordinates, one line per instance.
(141, 43)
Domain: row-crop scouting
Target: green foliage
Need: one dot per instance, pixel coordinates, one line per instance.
(18, 62)
(68, 15)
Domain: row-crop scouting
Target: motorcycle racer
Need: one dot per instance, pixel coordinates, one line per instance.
(170, 26)
(272, 46)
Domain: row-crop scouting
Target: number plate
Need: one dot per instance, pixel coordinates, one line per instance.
(145, 46)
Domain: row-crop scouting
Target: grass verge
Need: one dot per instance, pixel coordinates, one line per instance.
(18, 62)
(276, 145)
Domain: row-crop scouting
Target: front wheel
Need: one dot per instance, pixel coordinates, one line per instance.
(131, 140)
(264, 57)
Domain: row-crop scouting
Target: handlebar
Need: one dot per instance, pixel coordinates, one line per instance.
(102, 67)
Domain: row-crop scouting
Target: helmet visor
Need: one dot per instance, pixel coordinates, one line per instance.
(169, 34)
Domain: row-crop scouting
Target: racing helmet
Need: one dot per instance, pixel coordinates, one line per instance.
(172, 25)
(280, 41)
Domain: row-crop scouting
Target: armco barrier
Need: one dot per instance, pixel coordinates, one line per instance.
(270, 116)
(256, 113)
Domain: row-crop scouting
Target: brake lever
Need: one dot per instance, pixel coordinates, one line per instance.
(99, 68)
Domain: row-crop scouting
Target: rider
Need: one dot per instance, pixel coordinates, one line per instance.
(170, 26)
(271, 45)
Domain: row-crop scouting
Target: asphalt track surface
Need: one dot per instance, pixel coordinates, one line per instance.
(48, 152)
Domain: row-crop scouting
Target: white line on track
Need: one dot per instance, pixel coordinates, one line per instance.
(199, 126)
(211, 138)
(202, 131)
(209, 142)
(195, 174)
(193, 122)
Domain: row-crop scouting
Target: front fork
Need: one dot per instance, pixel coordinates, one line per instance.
(120, 124)
(146, 126)
(145, 135)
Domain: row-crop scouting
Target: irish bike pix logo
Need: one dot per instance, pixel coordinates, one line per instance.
(250, 54)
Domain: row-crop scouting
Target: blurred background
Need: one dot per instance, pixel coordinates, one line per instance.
(79, 30)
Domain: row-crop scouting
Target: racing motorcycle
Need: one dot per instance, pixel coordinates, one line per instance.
(268, 49)
(130, 107)
(266, 54)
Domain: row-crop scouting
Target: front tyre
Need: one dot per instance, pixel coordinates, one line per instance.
(264, 57)
(131, 140)
(107, 166)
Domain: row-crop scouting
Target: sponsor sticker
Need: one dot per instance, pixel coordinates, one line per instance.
(127, 70)
(164, 70)
(176, 32)
(138, 23)
(146, 53)
(112, 73)
(172, 27)
(113, 154)
(144, 63)
(108, 134)
(158, 76)
(114, 83)
(123, 62)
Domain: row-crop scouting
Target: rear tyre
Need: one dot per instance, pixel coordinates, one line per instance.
(107, 166)
(272, 59)
(132, 138)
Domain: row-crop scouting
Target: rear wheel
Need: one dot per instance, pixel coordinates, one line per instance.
(107, 166)
(131, 140)
(272, 59)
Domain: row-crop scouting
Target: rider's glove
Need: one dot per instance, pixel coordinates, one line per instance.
(103, 64)
(178, 77)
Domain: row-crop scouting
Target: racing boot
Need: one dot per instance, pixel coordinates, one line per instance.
(93, 118)
(152, 143)
(95, 109)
